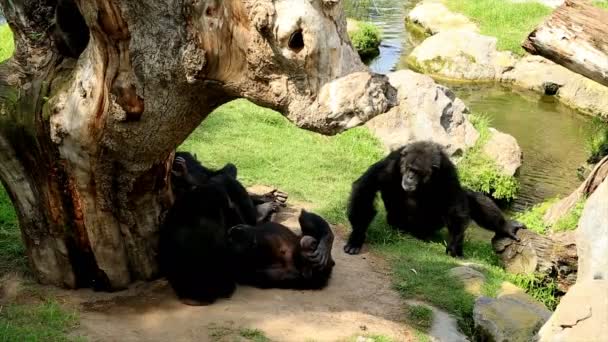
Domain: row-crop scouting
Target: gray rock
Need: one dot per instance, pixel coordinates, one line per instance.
(505, 151)
(462, 55)
(540, 74)
(592, 237)
(582, 314)
(513, 316)
(444, 327)
(472, 280)
(426, 111)
(433, 17)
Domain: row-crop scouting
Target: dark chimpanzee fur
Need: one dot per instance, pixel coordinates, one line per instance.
(202, 261)
(70, 32)
(421, 193)
(271, 255)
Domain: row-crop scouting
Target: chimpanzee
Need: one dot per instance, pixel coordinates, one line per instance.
(421, 193)
(212, 237)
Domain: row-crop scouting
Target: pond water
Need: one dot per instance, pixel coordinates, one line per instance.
(551, 135)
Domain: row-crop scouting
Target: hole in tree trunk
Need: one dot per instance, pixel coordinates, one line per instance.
(296, 41)
(70, 33)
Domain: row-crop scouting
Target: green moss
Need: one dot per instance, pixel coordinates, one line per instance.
(365, 37)
(510, 22)
(570, 220)
(478, 172)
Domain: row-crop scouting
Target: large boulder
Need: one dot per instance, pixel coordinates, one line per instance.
(433, 17)
(582, 314)
(542, 75)
(513, 316)
(461, 55)
(505, 151)
(426, 111)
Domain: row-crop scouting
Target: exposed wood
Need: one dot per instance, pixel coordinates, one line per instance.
(563, 207)
(86, 144)
(554, 257)
(575, 36)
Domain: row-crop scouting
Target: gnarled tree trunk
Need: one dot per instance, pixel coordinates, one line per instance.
(575, 36)
(86, 144)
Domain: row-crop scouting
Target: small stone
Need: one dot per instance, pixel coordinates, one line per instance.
(472, 280)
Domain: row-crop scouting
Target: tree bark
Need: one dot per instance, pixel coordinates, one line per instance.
(86, 144)
(575, 36)
(553, 257)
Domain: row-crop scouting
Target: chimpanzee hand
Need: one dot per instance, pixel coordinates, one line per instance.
(179, 167)
(317, 253)
(277, 196)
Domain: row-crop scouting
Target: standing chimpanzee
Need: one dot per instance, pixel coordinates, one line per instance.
(421, 193)
(210, 240)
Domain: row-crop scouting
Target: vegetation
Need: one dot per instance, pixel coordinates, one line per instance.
(43, 322)
(420, 316)
(6, 42)
(480, 173)
(510, 22)
(365, 36)
(12, 252)
(597, 140)
(533, 218)
(254, 335)
(601, 3)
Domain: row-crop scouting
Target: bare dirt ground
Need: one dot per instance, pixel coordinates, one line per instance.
(359, 301)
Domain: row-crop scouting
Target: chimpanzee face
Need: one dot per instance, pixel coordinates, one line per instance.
(416, 168)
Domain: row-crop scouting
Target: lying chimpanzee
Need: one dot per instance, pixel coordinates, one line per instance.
(210, 239)
(421, 193)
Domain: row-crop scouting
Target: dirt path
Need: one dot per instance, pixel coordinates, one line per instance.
(359, 301)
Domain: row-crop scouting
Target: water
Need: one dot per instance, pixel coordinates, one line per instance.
(552, 136)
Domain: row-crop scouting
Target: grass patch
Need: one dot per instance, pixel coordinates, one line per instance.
(6, 42)
(479, 172)
(270, 150)
(12, 251)
(254, 335)
(365, 37)
(601, 4)
(533, 218)
(43, 322)
(596, 141)
(420, 316)
(370, 338)
(510, 22)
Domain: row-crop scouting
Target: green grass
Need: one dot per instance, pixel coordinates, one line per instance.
(508, 21)
(420, 316)
(533, 217)
(269, 150)
(43, 322)
(596, 141)
(12, 252)
(601, 4)
(6, 42)
(254, 335)
(479, 172)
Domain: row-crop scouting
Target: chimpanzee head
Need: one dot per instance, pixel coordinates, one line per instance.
(417, 164)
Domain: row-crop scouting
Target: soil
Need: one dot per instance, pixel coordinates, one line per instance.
(359, 301)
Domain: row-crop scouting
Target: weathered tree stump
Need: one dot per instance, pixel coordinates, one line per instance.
(575, 36)
(86, 143)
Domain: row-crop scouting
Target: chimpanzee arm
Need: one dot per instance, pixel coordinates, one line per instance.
(315, 226)
(361, 210)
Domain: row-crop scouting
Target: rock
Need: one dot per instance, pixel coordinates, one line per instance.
(367, 45)
(433, 17)
(461, 55)
(592, 237)
(513, 316)
(505, 151)
(582, 314)
(540, 74)
(472, 279)
(444, 326)
(426, 110)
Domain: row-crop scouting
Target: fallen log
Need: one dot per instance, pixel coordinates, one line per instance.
(575, 36)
